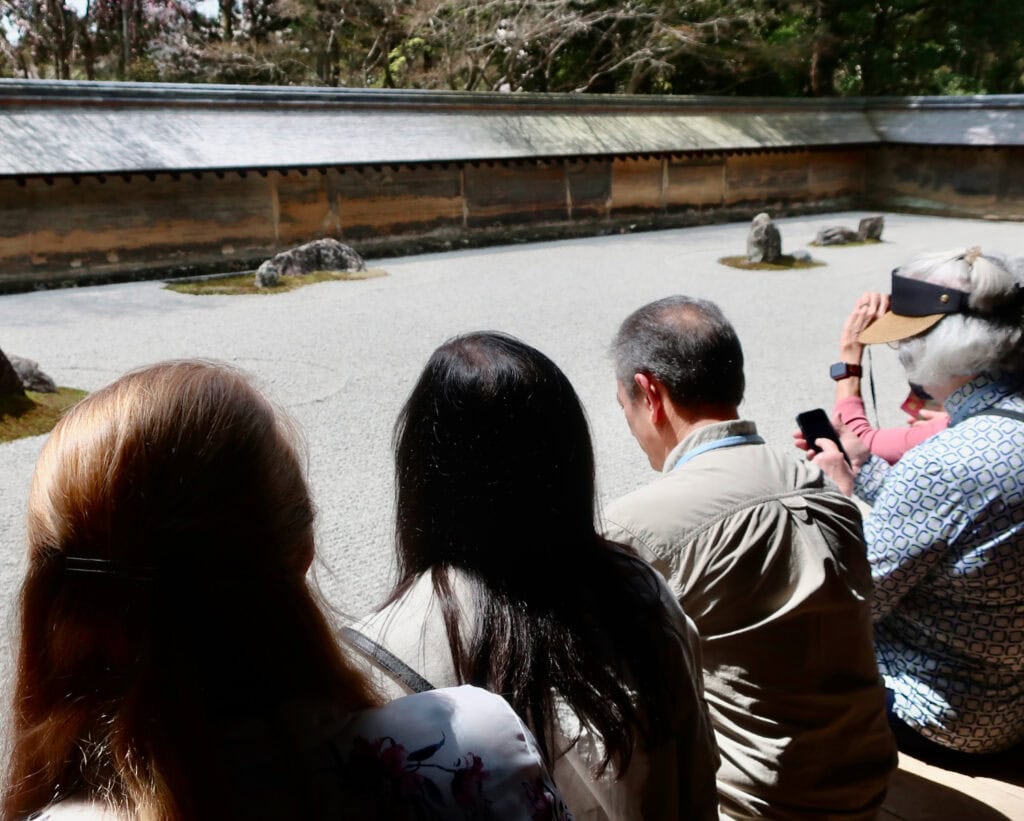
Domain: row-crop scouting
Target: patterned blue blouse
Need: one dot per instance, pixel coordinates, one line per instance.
(946, 542)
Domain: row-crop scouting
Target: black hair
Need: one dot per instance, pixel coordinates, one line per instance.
(495, 479)
(690, 347)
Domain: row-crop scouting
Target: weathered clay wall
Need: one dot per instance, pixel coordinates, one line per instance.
(65, 229)
(174, 179)
(985, 182)
(71, 229)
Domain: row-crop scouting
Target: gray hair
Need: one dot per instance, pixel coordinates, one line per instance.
(990, 339)
(688, 345)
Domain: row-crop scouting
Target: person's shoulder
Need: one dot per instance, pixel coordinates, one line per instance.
(666, 502)
(466, 716)
(458, 744)
(981, 450)
(946, 452)
(649, 585)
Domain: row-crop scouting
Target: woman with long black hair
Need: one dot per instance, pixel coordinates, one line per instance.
(505, 582)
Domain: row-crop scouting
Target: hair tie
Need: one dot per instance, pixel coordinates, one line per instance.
(971, 255)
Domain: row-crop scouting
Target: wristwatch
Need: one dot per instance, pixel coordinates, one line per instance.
(844, 370)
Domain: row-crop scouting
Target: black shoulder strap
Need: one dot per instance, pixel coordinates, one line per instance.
(389, 661)
(1009, 414)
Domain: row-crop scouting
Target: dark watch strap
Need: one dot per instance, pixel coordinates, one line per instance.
(844, 370)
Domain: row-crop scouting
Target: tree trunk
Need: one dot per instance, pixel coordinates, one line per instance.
(10, 382)
(823, 57)
(86, 46)
(227, 19)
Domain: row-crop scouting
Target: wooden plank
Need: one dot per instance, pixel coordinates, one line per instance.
(924, 792)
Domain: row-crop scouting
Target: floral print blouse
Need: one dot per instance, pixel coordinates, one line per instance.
(455, 754)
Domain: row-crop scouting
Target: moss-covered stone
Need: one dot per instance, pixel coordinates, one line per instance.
(783, 263)
(246, 283)
(32, 414)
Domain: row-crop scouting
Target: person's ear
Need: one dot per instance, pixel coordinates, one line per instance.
(651, 395)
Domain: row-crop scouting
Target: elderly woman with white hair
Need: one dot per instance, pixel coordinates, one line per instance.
(945, 534)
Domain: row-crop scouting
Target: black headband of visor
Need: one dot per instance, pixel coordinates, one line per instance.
(913, 297)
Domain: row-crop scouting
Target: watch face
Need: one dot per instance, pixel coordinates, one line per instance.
(839, 371)
(843, 370)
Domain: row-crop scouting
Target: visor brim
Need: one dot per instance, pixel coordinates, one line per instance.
(890, 327)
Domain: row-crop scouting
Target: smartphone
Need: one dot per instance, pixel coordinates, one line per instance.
(814, 425)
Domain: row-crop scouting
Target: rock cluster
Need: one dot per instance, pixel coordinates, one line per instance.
(318, 255)
(18, 375)
(32, 378)
(869, 228)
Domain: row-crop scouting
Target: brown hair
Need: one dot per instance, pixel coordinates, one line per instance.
(184, 480)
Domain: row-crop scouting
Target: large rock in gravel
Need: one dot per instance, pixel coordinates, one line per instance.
(318, 255)
(836, 235)
(871, 228)
(764, 242)
(31, 377)
(10, 382)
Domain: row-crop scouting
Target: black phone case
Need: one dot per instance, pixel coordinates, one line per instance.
(814, 425)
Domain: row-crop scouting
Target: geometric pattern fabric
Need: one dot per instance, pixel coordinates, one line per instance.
(945, 538)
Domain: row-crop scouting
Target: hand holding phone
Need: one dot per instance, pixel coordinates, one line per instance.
(814, 425)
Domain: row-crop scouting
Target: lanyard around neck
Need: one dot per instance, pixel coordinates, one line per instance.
(727, 442)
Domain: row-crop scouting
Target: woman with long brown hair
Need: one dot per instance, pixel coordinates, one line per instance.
(174, 662)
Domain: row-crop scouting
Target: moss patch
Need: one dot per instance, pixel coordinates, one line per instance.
(34, 413)
(854, 244)
(784, 263)
(246, 283)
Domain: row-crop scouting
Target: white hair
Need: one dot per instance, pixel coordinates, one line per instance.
(989, 340)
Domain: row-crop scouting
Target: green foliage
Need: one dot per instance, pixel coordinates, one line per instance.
(777, 47)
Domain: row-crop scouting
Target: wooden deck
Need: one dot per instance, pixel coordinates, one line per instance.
(922, 792)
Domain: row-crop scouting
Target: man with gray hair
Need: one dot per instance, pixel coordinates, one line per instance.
(767, 557)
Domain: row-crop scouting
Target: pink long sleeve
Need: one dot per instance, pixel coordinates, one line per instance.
(887, 443)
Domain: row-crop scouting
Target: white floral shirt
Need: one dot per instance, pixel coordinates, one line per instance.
(456, 754)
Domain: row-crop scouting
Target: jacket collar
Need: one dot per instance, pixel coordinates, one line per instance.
(705, 435)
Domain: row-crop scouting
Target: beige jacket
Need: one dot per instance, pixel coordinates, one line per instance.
(672, 781)
(768, 559)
